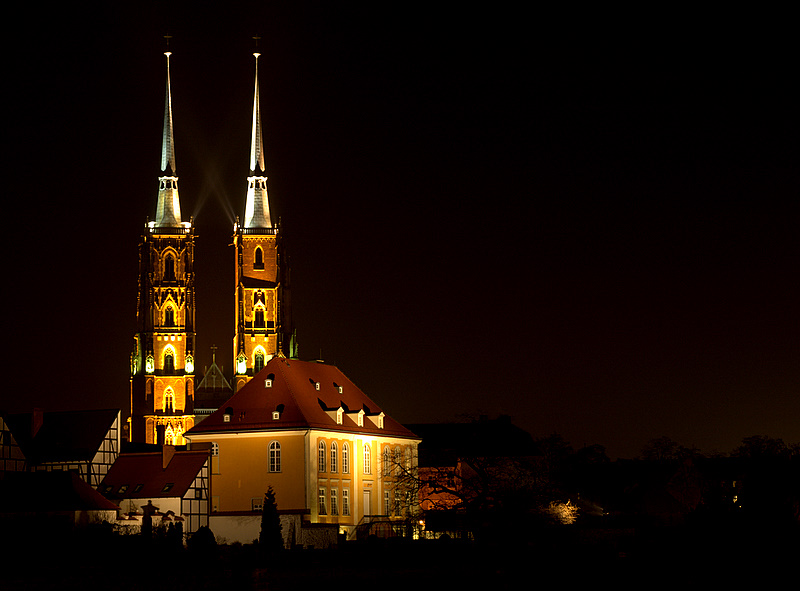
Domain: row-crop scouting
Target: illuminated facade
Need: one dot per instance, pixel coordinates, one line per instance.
(329, 452)
(263, 329)
(162, 362)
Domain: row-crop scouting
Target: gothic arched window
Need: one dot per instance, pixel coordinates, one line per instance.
(169, 400)
(258, 318)
(169, 361)
(258, 262)
(169, 268)
(258, 364)
(169, 316)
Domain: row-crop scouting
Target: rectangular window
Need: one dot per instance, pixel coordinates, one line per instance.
(334, 501)
(386, 505)
(257, 504)
(322, 510)
(345, 501)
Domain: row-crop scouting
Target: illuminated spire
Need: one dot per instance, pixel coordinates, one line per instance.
(256, 211)
(168, 210)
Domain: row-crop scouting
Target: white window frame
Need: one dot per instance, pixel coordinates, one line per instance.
(274, 456)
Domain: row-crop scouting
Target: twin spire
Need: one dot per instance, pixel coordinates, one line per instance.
(168, 210)
(256, 210)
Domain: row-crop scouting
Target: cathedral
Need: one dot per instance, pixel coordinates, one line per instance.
(162, 362)
(303, 428)
(164, 383)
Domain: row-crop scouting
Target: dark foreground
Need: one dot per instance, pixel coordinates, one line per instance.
(566, 559)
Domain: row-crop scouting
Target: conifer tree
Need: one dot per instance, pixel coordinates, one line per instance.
(270, 539)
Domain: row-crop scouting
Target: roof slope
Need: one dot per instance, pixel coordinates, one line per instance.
(306, 394)
(146, 469)
(67, 436)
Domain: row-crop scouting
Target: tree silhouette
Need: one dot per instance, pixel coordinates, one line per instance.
(270, 539)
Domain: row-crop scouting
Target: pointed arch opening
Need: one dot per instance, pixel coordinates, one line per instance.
(169, 361)
(259, 359)
(169, 401)
(258, 258)
(169, 267)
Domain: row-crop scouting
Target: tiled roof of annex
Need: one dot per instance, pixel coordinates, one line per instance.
(304, 395)
(144, 476)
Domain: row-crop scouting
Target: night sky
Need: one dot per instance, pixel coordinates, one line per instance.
(585, 221)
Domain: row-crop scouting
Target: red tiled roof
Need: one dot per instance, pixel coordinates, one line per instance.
(146, 469)
(294, 392)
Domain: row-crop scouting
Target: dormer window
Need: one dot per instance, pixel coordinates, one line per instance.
(276, 415)
(339, 415)
(268, 383)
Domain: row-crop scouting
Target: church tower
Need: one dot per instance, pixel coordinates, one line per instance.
(263, 329)
(162, 363)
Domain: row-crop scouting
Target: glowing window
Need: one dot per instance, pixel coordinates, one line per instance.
(322, 510)
(258, 364)
(321, 456)
(345, 458)
(345, 501)
(386, 460)
(334, 501)
(367, 459)
(334, 452)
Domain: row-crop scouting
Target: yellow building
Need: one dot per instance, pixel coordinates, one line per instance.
(263, 328)
(162, 362)
(307, 431)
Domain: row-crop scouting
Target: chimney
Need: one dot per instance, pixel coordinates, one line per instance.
(167, 452)
(37, 418)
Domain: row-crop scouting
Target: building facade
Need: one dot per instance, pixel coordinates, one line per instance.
(85, 442)
(162, 362)
(262, 315)
(328, 451)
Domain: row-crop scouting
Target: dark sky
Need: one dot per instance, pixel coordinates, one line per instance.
(586, 221)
